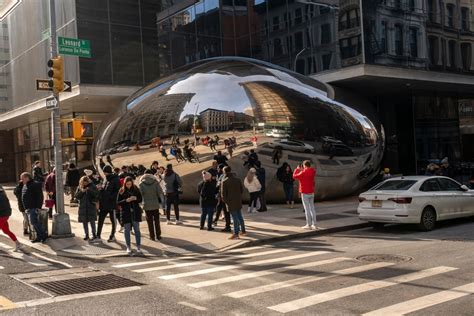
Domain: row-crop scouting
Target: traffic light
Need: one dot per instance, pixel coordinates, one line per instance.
(56, 73)
(82, 130)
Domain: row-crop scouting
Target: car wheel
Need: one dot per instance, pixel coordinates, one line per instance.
(428, 219)
(377, 226)
(307, 151)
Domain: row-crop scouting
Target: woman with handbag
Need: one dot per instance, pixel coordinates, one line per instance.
(88, 197)
(129, 199)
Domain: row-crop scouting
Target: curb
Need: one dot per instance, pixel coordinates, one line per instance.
(322, 232)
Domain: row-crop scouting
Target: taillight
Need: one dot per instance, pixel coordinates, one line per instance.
(401, 200)
(362, 199)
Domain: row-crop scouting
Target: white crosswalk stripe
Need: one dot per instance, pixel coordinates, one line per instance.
(356, 289)
(419, 303)
(237, 266)
(304, 280)
(199, 262)
(22, 256)
(259, 274)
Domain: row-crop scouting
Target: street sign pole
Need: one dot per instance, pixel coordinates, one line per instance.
(61, 222)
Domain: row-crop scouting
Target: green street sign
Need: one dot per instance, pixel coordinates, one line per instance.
(74, 46)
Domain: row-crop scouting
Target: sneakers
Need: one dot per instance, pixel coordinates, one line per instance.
(306, 227)
(243, 234)
(86, 238)
(129, 251)
(18, 246)
(139, 252)
(210, 229)
(226, 230)
(313, 227)
(178, 222)
(168, 222)
(111, 239)
(25, 232)
(233, 237)
(121, 230)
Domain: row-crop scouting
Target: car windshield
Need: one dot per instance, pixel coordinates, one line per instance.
(399, 185)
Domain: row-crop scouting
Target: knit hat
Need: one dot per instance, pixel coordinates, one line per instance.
(88, 172)
(107, 169)
(206, 176)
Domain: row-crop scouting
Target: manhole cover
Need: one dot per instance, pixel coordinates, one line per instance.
(384, 258)
(86, 285)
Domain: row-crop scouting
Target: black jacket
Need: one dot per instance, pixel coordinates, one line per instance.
(87, 204)
(208, 193)
(38, 174)
(131, 211)
(109, 192)
(5, 208)
(17, 192)
(32, 195)
(72, 177)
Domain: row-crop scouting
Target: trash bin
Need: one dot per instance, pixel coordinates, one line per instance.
(43, 220)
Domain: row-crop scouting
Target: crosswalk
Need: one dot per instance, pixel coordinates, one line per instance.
(260, 274)
(33, 258)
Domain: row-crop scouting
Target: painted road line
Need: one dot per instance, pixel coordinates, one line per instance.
(28, 259)
(194, 263)
(199, 308)
(304, 280)
(5, 246)
(67, 265)
(259, 274)
(236, 266)
(5, 303)
(419, 303)
(148, 262)
(356, 289)
(56, 299)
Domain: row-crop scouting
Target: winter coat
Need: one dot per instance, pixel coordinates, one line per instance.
(5, 208)
(50, 184)
(253, 186)
(208, 193)
(283, 176)
(172, 182)
(151, 191)
(231, 193)
(109, 192)
(261, 175)
(72, 177)
(38, 175)
(131, 211)
(87, 203)
(306, 178)
(32, 195)
(17, 193)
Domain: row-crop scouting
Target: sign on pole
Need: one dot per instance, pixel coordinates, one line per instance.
(43, 85)
(51, 103)
(74, 47)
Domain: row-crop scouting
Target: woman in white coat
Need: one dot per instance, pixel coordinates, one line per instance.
(252, 184)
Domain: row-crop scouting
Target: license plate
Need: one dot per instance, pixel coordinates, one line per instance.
(376, 203)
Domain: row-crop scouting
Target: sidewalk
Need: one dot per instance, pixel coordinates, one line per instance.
(278, 223)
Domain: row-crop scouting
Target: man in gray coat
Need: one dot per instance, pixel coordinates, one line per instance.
(231, 193)
(151, 192)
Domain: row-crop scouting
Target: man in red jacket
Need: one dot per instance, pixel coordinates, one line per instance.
(305, 175)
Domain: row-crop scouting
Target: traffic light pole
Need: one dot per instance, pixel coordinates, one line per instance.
(61, 222)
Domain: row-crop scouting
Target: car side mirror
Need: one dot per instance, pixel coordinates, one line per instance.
(464, 188)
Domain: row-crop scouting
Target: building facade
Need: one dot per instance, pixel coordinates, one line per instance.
(413, 59)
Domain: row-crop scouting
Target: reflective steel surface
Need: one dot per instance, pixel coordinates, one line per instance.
(243, 99)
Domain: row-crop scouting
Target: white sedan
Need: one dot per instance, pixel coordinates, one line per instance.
(292, 145)
(418, 200)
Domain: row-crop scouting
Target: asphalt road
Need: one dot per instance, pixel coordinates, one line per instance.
(403, 271)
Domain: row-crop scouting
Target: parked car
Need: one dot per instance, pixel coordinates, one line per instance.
(277, 133)
(421, 200)
(293, 145)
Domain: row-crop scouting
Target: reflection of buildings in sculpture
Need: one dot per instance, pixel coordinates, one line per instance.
(294, 26)
(450, 35)
(213, 120)
(395, 32)
(349, 33)
(4, 74)
(150, 120)
(239, 121)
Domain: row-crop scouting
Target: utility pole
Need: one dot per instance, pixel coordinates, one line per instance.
(61, 222)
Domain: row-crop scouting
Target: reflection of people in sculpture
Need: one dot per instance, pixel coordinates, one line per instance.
(276, 155)
(220, 158)
(254, 141)
(163, 152)
(109, 160)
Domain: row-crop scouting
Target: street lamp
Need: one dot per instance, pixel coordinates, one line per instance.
(296, 58)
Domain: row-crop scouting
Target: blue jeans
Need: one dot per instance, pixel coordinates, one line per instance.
(209, 212)
(288, 188)
(310, 211)
(238, 222)
(136, 228)
(163, 201)
(86, 228)
(33, 215)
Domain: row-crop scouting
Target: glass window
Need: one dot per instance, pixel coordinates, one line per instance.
(383, 36)
(398, 39)
(450, 14)
(276, 23)
(299, 41)
(396, 185)
(354, 20)
(126, 12)
(34, 136)
(343, 21)
(448, 185)
(412, 5)
(465, 25)
(45, 137)
(126, 55)
(433, 49)
(298, 16)
(430, 185)
(325, 33)
(326, 61)
(452, 53)
(414, 42)
(466, 56)
(431, 10)
(277, 47)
